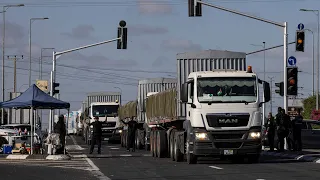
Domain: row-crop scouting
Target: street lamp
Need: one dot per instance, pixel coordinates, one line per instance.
(312, 59)
(40, 62)
(30, 23)
(317, 94)
(4, 9)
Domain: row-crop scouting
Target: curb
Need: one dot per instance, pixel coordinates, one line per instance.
(34, 157)
(315, 157)
(108, 156)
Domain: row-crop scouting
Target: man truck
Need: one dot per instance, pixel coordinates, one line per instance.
(213, 111)
(105, 106)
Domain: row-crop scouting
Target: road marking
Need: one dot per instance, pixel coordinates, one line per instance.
(11, 156)
(96, 171)
(125, 155)
(318, 161)
(260, 179)
(114, 148)
(215, 167)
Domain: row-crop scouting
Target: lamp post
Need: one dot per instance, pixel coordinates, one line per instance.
(317, 93)
(312, 59)
(30, 23)
(5, 8)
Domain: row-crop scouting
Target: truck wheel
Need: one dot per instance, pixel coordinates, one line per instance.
(151, 144)
(138, 142)
(171, 146)
(161, 144)
(191, 158)
(155, 148)
(178, 156)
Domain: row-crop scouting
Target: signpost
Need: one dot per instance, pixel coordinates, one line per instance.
(43, 85)
(300, 26)
(292, 61)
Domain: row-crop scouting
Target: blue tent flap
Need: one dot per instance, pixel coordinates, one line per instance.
(36, 98)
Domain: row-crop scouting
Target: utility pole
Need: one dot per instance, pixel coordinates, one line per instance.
(14, 58)
(271, 81)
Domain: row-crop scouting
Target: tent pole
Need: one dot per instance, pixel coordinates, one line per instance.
(66, 122)
(31, 145)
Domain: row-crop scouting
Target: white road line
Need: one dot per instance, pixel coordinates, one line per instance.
(318, 161)
(215, 167)
(96, 171)
(260, 179)
(114, 148)
(125, 155)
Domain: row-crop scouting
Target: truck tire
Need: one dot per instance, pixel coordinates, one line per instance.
(178, 156)
(191, 158)
(155, 148)
(151, 143)
(171, 145)
(138, 141)
(161, 144)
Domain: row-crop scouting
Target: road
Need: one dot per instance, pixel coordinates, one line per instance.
(121, 165)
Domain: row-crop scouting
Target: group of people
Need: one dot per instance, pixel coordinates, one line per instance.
(97, 134)
(285, 128)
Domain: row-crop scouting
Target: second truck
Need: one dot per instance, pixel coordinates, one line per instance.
(104, 105)
(214, 110)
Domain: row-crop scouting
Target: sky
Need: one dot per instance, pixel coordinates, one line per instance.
(157, 31)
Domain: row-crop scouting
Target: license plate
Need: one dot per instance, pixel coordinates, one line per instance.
(106, 139)
(228, 152)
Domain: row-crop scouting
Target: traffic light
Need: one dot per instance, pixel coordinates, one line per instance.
(300, 41)
(55, 91)
(195, 8)
(292, 85)
(280, 90)
(122, 35)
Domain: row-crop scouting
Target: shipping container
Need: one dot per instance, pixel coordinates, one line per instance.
(207, 60)
(151, 85)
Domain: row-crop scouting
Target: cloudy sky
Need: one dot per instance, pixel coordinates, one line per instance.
(157, 31)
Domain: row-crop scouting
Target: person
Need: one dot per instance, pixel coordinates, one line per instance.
(132, 127)
(297, 127)
(271, 130)
(60, 128)
(96, 134)
(282, 127)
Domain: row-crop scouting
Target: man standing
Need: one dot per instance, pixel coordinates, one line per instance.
(60, 128)
(282, 127)
(271, 130)
(132, 127)
(96, 134)
(297, 127)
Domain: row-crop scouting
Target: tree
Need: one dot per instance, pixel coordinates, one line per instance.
(5, 117)
(309, 105)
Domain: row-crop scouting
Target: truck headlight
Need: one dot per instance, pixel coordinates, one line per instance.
(91, 126)
(254, 135)
(119, 131)
(201, 136)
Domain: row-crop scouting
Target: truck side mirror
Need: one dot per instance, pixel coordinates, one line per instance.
(184, 93)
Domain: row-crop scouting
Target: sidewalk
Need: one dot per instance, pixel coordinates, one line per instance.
(306, 155)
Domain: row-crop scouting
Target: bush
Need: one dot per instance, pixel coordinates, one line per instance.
(309, 105)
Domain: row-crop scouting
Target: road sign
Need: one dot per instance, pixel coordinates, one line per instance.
(42, 84)
(300, 26)
(292, 61)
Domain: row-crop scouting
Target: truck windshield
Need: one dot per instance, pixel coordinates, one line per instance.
(227, 89)
(105, 110)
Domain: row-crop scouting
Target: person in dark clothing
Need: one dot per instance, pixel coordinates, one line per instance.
(297, 127)
(271, 130)
(283, 122)
(96, 135)
(60, 128)
(132, 127)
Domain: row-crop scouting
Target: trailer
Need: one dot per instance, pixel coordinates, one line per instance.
(213, 111)
(105, 106)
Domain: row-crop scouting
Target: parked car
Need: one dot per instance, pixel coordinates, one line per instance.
(310, 135)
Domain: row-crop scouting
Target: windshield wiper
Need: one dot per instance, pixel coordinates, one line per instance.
(210, 102)
(241, 101)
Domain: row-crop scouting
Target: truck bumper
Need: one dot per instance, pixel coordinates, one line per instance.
(238, 148)
(111, 135)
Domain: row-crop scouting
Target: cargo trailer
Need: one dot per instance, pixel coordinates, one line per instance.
(104, 105)
(213, 111)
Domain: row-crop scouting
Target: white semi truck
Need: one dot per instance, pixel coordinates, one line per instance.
(105, 106)
(213, 111)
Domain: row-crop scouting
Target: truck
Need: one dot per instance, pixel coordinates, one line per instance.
(137, 108)
(104, 105)
(215, 109)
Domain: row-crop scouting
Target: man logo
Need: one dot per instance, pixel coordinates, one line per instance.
(228, 121)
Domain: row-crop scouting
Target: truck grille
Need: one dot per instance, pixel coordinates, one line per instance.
(227, 136)
(108, 124)
(228, 119)
(224, 145)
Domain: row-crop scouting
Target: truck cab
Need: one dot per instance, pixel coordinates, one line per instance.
(223, 115)
(108, 114)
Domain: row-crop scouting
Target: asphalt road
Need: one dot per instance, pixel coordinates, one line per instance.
(126, 167)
